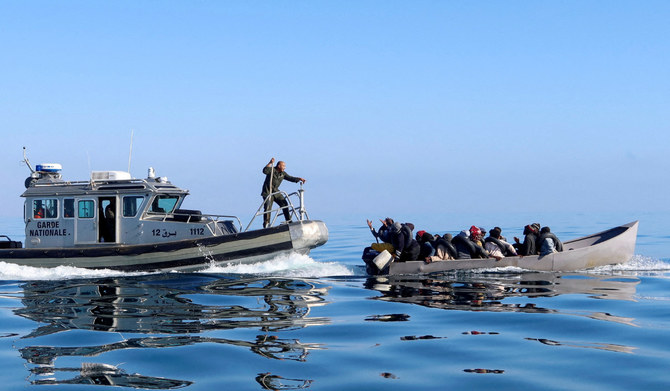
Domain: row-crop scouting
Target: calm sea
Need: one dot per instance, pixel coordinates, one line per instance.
(320, 323)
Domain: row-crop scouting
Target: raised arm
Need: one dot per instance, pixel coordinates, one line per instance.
(268, 167)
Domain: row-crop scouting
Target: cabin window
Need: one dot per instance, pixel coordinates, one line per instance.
(68, 208)
(164, 204)
(86, 209)
(131, 205)
(45, 209)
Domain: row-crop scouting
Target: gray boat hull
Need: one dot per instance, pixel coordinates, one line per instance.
(182, 255)
(613, 246)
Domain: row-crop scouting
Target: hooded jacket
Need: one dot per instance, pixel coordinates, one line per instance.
(529, 245)
(558, 245)
(406, 248)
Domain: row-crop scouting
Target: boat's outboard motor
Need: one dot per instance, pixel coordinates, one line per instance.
(376, 263)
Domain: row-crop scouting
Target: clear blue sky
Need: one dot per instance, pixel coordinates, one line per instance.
(385, 107)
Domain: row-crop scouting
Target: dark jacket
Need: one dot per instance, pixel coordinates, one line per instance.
(427, 245)
(402, 239)
(406, 248)
(427, 249)
(467, 249)
(277, 178)
(558, 245)
(529, 245)
(384, 233)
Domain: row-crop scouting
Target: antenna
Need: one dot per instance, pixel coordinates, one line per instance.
(25, 160)
(130, 154)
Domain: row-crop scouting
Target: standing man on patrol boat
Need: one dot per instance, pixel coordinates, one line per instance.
(273, 178)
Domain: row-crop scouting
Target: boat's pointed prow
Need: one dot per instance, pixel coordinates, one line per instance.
(630, 237)
(308, 234)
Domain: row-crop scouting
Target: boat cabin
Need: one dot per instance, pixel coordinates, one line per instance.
(111, 208)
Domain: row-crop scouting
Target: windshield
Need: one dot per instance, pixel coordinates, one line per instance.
(164, 204)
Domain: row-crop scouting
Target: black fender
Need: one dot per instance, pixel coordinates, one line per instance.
(467, 243)
(450, 247)
(498, 243)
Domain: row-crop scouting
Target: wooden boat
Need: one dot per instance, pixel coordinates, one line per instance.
(114, 221)
(613, 246)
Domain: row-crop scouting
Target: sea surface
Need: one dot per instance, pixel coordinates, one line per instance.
(319, 322)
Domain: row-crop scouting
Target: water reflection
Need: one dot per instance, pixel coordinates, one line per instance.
(169, 305)
(179, 307)
(272, 382)
(599, 346)
(264, 345)
(483, 370)
(107, 375)
(488, 292)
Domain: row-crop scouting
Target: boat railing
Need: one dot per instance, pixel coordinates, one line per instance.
(93, 184)
(184, 217)
(298, 213)
(62, 183)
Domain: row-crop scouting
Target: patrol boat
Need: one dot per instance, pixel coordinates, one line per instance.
(117, 222)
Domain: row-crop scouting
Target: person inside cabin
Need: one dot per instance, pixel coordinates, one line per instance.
(155, 207)
(39, 211)
(273, 178)
(109, 234)
(68, 208)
